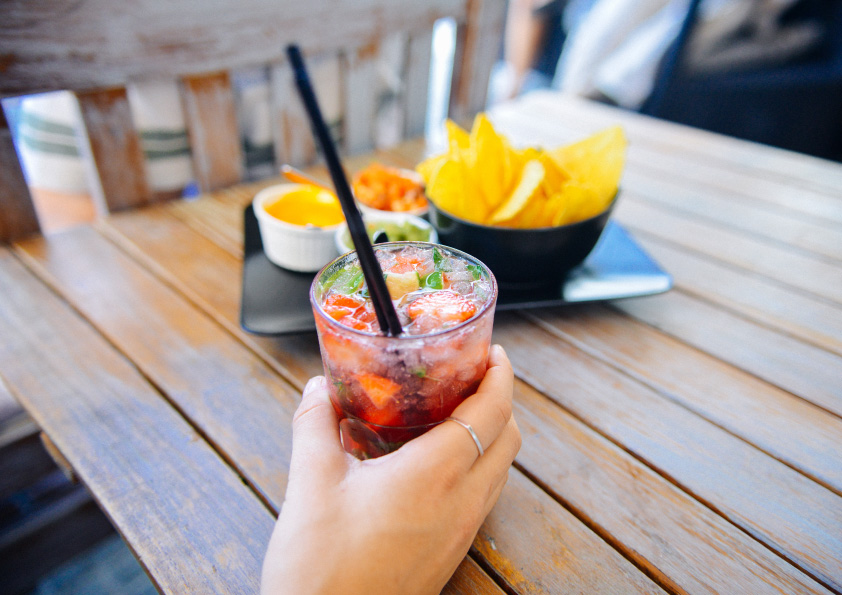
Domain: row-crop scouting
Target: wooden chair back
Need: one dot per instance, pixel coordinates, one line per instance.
(95, 48)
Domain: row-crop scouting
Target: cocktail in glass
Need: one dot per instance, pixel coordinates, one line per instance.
(388, 390)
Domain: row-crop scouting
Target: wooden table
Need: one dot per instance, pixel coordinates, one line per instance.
(685, 442)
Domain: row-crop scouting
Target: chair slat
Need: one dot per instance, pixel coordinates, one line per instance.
(477, 44)
(419, 57)
(211, 117)
(294, 143)
(361, 90)
(115, 148)
(17, 212)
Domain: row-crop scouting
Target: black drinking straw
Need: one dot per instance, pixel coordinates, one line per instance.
(383, 307)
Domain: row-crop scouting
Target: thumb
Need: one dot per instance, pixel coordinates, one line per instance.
(315, 430)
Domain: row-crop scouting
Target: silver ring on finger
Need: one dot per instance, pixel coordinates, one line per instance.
(471, 432)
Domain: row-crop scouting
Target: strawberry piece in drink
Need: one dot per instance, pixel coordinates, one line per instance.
(443, 306)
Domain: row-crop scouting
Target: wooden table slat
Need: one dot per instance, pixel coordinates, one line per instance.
(795, 516)
(811, 319)
(686, 546)
(227, 392)
(143, 463)
(793, 365)
(796, 269)
(779, 227)
(741, 403)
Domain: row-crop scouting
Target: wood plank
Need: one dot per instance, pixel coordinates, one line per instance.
(729, 397)
(478, 39)
(812, 274)
(194, 266)
(98, 44)
(796, 517)
(299, 356)
(217, 217)
(220, 214)
(206, 374)
(419, 61)
(470, 579)
(390, 99)
(809, 318)
(362, 90)
(293, 139)
(717, 207)
(801, 368)
(115, 150)
(683, 545)
(549, 550)
(111, 420)
(211, 119)
(17, 211)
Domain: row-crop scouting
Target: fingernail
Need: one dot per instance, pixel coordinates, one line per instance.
(315, 383)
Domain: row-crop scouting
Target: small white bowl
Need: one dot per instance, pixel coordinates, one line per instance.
(304, 249)
(373, 217)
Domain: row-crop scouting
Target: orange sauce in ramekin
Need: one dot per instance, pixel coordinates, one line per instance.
(307, 205)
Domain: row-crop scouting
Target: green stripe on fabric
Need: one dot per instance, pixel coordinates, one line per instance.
(164, 135)
(48, 147)
(39, 123)
(256, 154)
(165, 154)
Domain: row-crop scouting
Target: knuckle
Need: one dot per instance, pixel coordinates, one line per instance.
(518, 438)
(503, 411)
(310, 412)
(450, 477)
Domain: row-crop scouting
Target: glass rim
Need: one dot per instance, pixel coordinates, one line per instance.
(486, 307)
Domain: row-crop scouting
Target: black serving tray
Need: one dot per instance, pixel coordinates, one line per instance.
(276, 301)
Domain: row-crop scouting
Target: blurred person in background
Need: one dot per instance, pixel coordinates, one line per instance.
(612, 49)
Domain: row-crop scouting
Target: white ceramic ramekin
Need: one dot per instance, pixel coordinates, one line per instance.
(298, 248)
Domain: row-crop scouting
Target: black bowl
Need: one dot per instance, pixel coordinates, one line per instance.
(522, 258)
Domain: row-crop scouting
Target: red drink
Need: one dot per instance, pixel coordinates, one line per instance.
(388, 390)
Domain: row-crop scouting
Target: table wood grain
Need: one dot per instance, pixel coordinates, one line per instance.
(687, 442)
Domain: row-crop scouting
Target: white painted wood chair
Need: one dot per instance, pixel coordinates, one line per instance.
(94, 48)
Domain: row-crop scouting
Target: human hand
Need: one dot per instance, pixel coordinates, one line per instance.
(400, 523)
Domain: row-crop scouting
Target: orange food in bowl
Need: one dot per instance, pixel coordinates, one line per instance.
(307, 205)
(389, 188)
